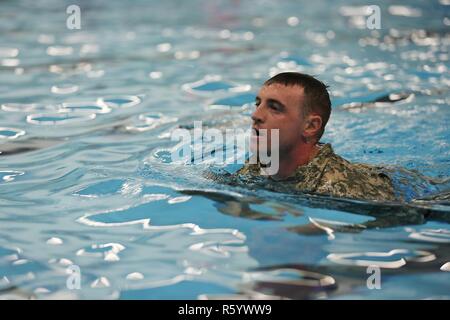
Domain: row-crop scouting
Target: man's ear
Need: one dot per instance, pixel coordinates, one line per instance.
(313, 124)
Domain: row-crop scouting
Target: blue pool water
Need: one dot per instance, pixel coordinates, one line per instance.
(86, 177)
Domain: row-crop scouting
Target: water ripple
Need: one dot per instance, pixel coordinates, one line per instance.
(8, 52)
(446, 267)
(234, 101)
(430, 235)
(107, 251)
(213, 84)
(105, 194)
(119, 101)
(103, 188)
(396, 258)
(58, 118)
(59, 51)
(84, 107)
(10, 133)
(10, 175)
(24, 107)
(64, 89)
(151, 121)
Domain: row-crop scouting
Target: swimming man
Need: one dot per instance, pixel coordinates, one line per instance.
(299, 106)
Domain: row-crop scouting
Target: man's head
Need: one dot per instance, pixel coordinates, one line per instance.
(297, 104)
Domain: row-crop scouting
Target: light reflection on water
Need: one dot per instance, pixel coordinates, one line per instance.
(86, 176)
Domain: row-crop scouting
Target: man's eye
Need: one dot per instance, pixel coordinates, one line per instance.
(274, 107)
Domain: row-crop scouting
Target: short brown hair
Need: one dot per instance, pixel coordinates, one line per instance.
(316, 100)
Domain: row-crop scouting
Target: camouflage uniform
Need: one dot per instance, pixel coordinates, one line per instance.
(330, 174)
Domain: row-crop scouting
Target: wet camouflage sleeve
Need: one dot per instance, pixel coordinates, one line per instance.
(343, 179)
(330, 174)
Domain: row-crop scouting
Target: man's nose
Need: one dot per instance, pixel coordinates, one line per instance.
(258, 115)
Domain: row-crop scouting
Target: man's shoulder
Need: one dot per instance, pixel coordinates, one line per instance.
(338, 168)
(355, 180)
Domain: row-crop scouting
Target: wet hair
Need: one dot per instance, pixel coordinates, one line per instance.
(316, 97)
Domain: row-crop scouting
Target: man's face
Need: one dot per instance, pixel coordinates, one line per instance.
(278, 107)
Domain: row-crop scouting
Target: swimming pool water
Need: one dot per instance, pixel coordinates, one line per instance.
(86, 177)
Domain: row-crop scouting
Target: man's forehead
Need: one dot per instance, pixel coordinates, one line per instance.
(281, 92)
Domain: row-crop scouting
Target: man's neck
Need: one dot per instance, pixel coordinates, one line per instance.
(298, 156)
